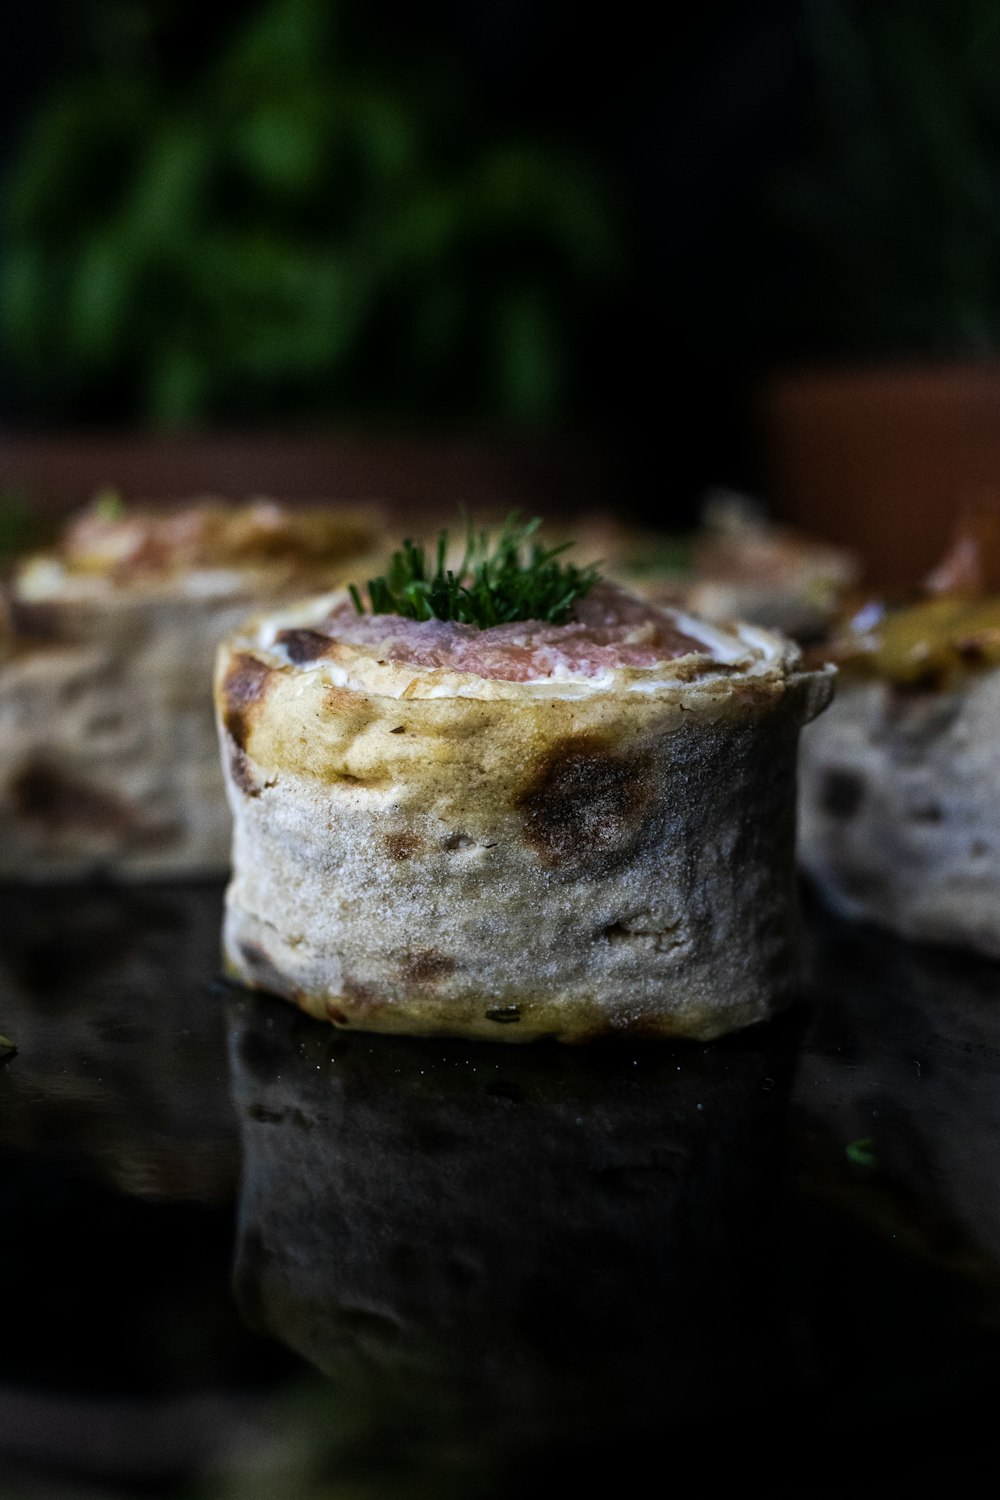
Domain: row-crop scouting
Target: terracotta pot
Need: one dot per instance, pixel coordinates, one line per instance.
(882, 459)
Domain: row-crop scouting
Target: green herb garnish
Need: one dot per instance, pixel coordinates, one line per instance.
(108, 505)
(861, 1152)
(514, 579)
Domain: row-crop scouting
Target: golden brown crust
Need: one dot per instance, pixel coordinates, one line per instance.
(515, 864)
(136, 545)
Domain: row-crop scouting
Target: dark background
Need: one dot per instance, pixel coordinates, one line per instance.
(512, 220)
(687, 116)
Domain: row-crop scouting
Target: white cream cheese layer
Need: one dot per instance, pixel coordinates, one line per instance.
(46, 580)
(742, 651)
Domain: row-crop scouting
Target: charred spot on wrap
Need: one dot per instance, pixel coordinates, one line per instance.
(244, 685)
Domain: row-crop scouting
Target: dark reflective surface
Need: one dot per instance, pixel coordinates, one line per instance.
(511, 1245)
(243, 1254)
(904, 1051)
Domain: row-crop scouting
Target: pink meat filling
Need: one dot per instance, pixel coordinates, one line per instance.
(610, 628)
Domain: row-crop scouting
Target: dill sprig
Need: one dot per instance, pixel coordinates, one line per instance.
(514, 579)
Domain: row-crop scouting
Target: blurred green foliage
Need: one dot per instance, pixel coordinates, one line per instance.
(300, 227)
(20, 527)
(897, 204)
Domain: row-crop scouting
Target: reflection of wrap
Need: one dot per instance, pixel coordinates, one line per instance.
(511, 1239)
(904, 1054)
(104, 992)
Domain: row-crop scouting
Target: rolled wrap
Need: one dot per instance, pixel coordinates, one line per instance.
(900, 821)
(108, 759)
(425, 850)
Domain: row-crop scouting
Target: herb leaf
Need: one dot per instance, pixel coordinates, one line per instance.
(514, 579)
(861, 1152)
